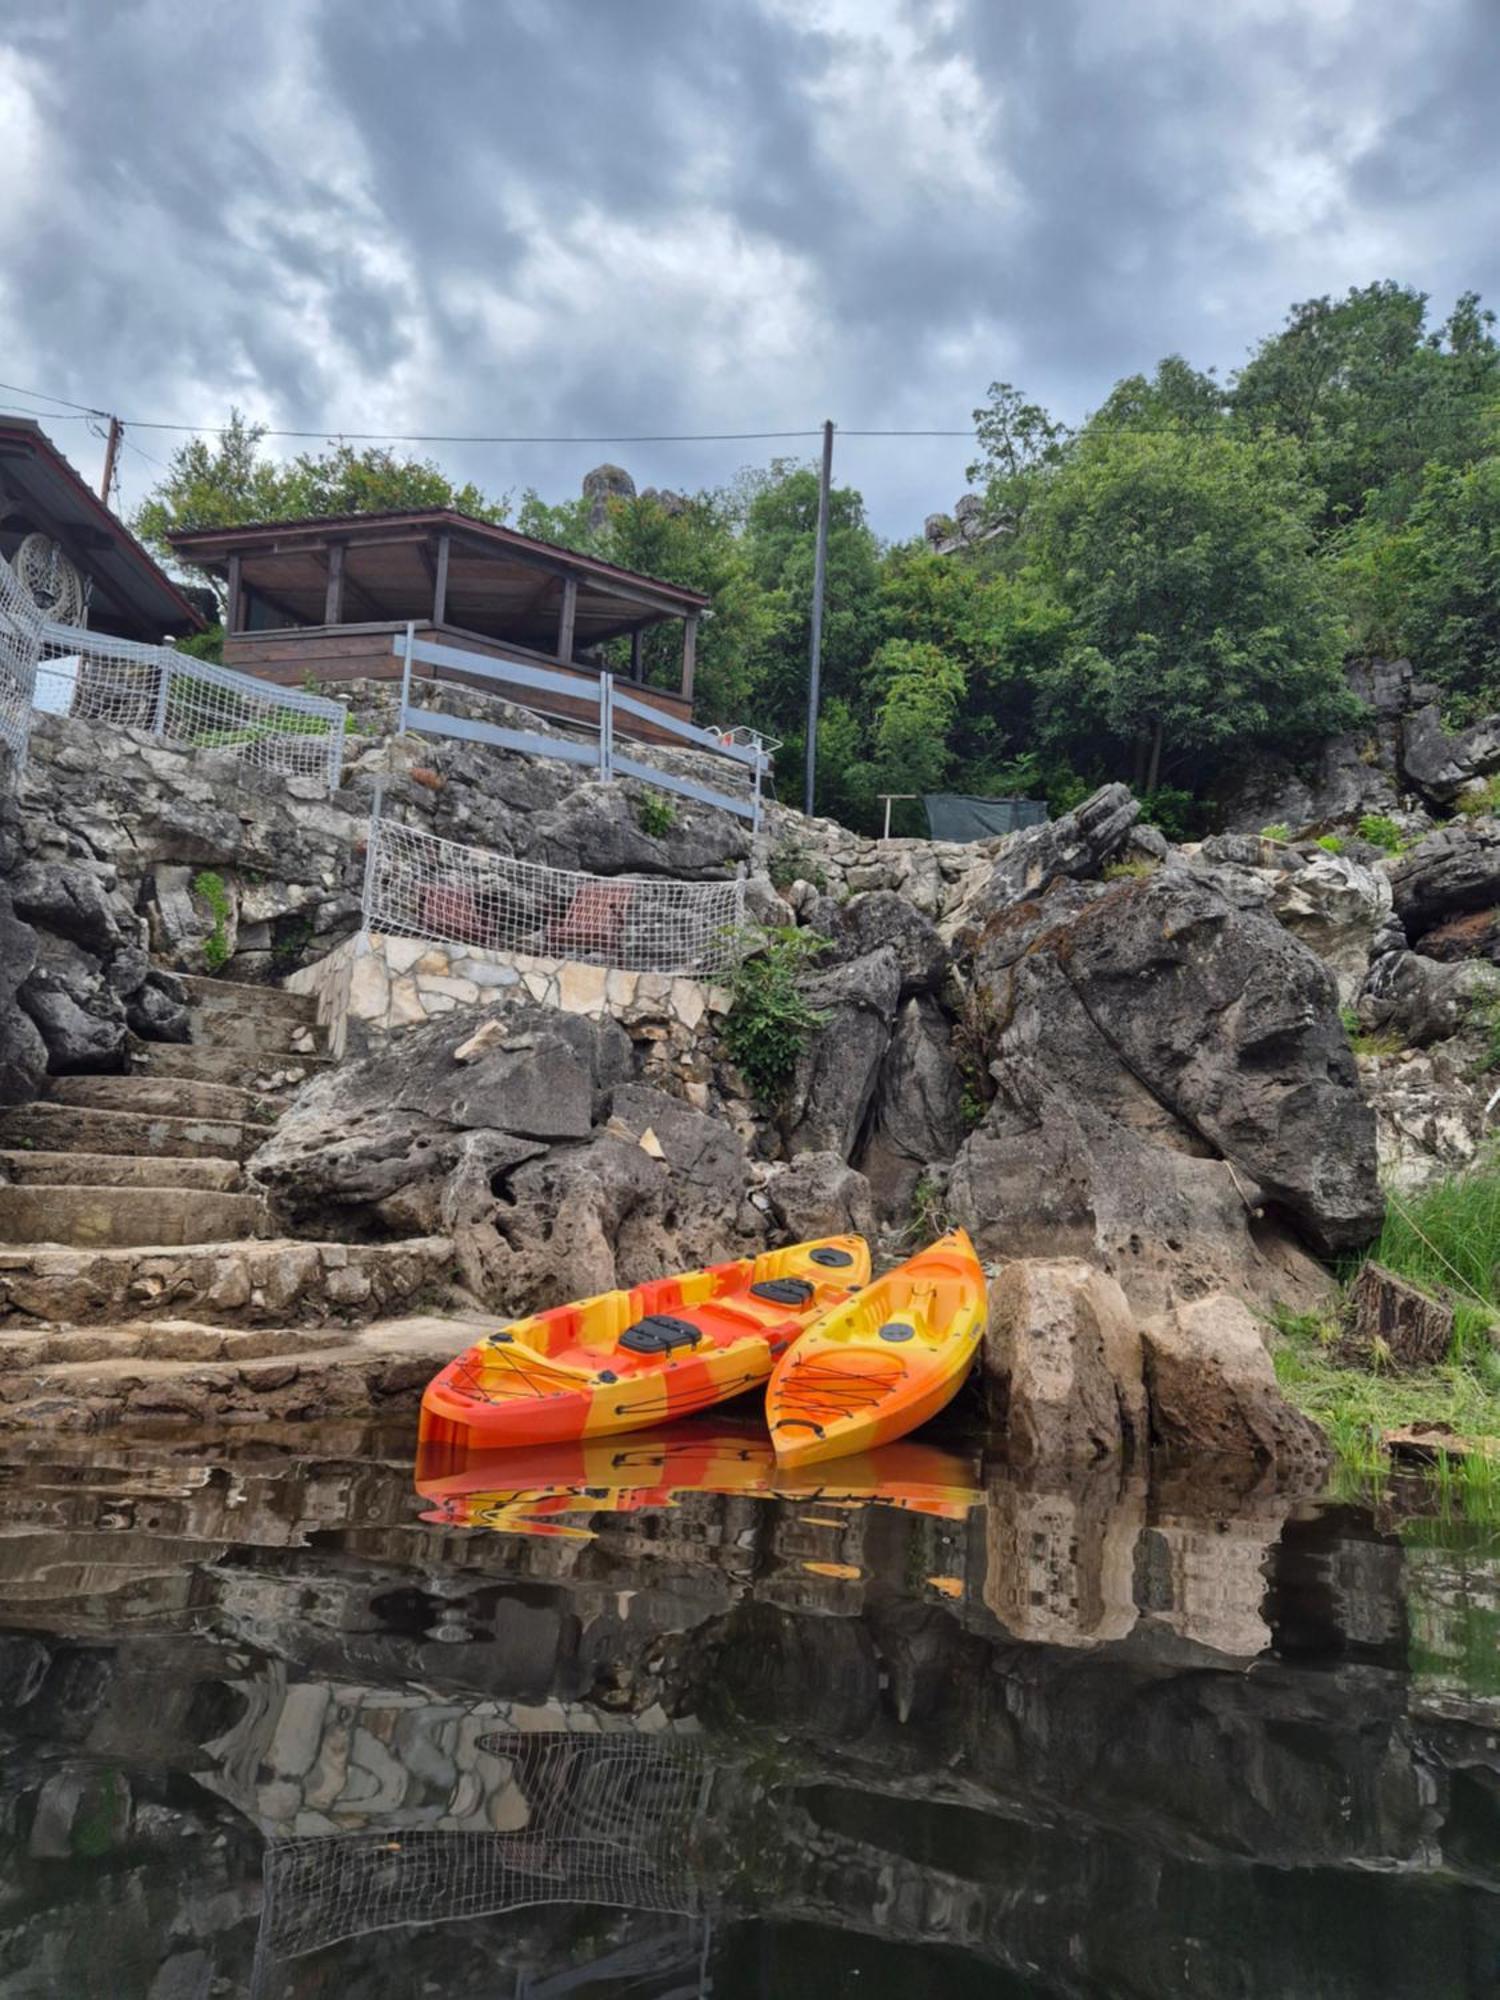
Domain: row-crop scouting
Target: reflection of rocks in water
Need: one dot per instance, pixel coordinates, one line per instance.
(1453, 1600)
(1059, 1554)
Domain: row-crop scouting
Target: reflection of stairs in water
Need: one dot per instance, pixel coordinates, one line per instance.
(605, 1820)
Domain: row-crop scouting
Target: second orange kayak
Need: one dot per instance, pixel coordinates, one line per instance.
(885, 1361)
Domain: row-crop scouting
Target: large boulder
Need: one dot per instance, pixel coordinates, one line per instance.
(1424, 1000)
(1234, 1026)
(1049, 1174)
(1077, 846)
(877, 919)
(817, 1194)
(834, 1082)
(1202, 1027)
(1213, 1390)
(1338, 908)
(1062, 1363)
(524, 1137)
(1439, 763)
(917, 1121)
(1455, 869)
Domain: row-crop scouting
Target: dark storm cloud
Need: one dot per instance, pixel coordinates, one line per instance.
(600, 215)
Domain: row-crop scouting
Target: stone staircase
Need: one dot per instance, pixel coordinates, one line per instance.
(139, 1268)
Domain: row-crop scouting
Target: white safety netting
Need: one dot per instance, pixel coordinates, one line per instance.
(420, 886)
(595, 1819)
(20, 644)
(193, 703)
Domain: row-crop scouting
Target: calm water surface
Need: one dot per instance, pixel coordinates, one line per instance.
(278, 1720)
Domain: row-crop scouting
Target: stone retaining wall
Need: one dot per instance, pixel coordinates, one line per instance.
(383, 984)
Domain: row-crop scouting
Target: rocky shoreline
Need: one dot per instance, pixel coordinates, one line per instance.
(1159, 1084)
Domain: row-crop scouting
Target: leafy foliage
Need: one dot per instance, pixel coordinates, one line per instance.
(769, 1019)
(655, 814)
(1381, 831)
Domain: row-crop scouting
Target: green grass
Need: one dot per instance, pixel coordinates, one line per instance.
(211, 888)
(1330, 843)
(655, 814)
(1446, 1236)
(1472, 805)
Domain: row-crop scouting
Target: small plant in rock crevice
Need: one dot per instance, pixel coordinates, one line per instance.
(1330, 843)
(929, 1210)
(211, 889)
(769, 1018)
(1381, 831)
(655, 814)
(1277, 830)
(792, 863)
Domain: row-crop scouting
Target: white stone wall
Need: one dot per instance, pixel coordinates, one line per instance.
(391, 983)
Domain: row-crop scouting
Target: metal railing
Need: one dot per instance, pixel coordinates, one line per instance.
(195, 704)
(20, 645)
(608, 699)
(420, 886)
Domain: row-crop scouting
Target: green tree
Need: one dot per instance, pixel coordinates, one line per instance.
(1176, 394)
(1018, 444)
(780, 534)
(1431, 587)
(228, 482)
(1372, 395)
(1202, 623)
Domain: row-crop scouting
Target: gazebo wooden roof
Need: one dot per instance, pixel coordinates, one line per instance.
(460, 577)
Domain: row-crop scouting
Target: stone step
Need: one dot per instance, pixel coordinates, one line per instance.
(161, 1096)
(161, 1340)
(378, 1370)
(253, 1017)
(252, 1069)
(58, 1128)
(242, 996)
(241, 1283)
(119, 1170)
(125, 1217)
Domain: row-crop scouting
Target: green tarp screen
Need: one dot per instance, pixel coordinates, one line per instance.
(951, 816)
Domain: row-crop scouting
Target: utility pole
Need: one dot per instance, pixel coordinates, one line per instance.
(111, 453)
(815, 649)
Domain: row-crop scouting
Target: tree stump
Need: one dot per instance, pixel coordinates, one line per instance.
(1393, 1323)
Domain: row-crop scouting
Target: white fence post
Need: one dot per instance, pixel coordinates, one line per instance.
(606, 727)
(372, 838)
(164, 688)
(411, 634)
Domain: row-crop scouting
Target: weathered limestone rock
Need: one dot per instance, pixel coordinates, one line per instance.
(1338, 908)
(1050, 1174)
(1213, 1390)
(23, 1053)
(834, 1083)
(1062, 1363)
(818, 1195)
(1454, 870)
(917, 1119)
(1424, 1000)
(877, 919)
(1393, 1322)
(1079, 845)
(1441, 763)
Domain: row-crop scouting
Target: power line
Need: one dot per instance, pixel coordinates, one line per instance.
(84, 410)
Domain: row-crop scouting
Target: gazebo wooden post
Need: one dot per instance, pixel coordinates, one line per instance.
(333, 597)
(235, 594)
(565, 618)
(637, 668)
(440, 581)
(689, 655)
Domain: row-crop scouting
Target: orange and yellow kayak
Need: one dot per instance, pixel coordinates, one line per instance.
(626, 1360)
(885, 1361)
(536, 1491)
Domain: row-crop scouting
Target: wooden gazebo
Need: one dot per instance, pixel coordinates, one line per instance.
(326, 598)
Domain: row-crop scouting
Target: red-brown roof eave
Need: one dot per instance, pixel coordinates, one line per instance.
(29, 435)
(207, 545)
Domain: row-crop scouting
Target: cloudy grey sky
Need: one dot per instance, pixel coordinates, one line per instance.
(584, 216)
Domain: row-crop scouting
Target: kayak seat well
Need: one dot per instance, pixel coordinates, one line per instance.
(784, 1291)
(659, 1333)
